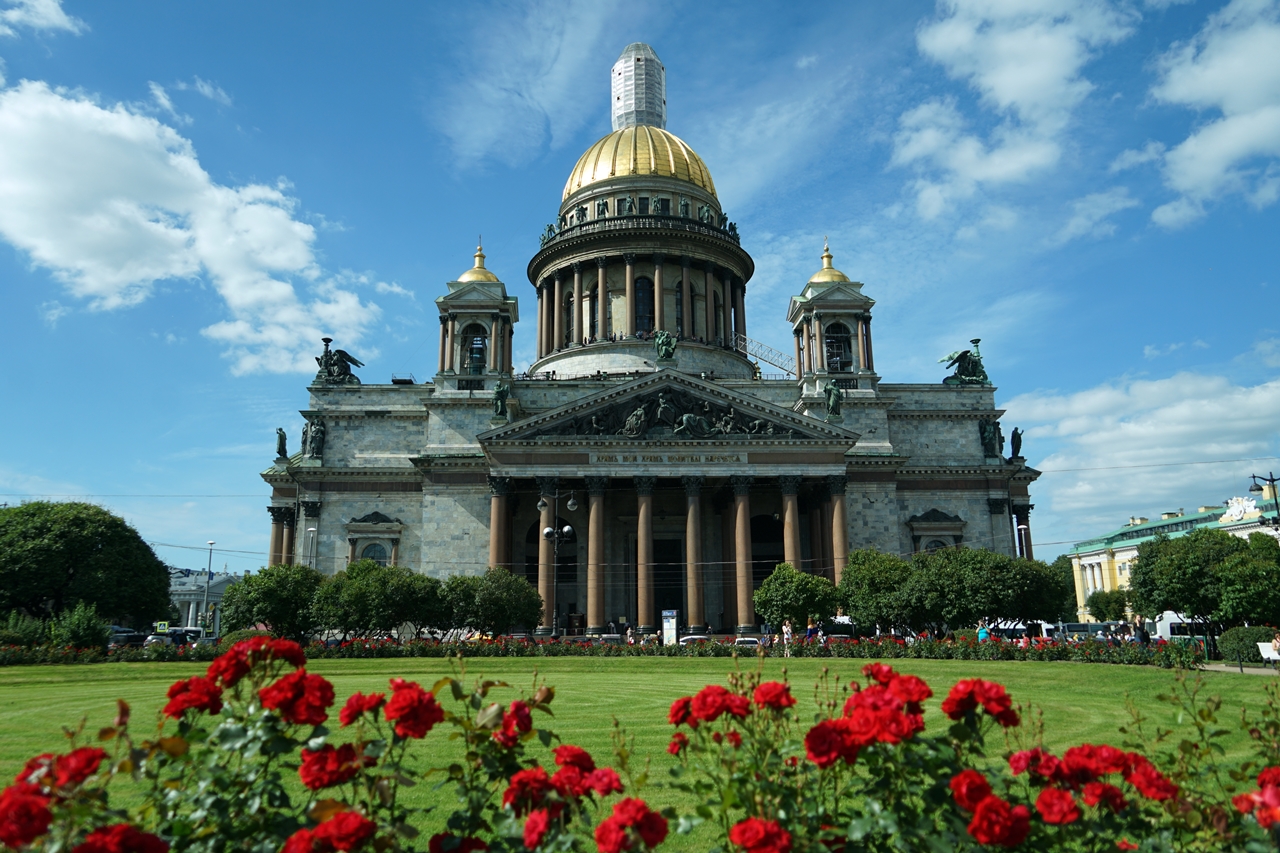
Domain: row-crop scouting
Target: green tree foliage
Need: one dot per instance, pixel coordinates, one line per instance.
(81, 628)
(367, 599)
(1065, 569)
(424, 604)
(279, 597)
(1107, 605)
(871, 591)
(54, 555)
(30, 630)
(1248, 589)
(504, 601)
(789, 594)
(461, 592)
(950, 588)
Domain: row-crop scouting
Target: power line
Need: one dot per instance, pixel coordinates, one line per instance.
(1158, 465)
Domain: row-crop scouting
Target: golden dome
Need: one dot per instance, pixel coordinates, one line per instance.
(478, 272)
(828, 273)
(639, 150)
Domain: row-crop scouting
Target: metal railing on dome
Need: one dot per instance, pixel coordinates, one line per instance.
(628, 222)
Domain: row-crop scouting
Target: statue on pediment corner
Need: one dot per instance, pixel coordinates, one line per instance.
(665, 345)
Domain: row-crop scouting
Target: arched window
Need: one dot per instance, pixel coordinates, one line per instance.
(374, 552)
(644, 305)
(839, 348)
(937, 545)
(474, 345)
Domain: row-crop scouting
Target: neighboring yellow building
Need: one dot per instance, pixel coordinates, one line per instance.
(1104, 563)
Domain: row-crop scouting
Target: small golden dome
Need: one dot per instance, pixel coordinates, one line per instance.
(828, 273)
(478, 272)
(639, 150)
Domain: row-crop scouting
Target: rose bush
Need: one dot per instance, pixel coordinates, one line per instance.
(244, 760)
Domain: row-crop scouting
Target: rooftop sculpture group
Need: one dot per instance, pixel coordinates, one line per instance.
(335, 366)
(968, 365)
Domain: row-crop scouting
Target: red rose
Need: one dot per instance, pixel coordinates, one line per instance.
(611, 836)
(1038, 762)
(40, 764)
(775, 695)
(1150, 782)
(570, 782)
(76, 766)
(735, 739)
(326, 767)
(302, 841)
(1269, 776)
(825, 743)
(1126, 844)
(1108, 795)
(345, 831)
(443, 842)
(604, 781)
(911, 691)
(237, 661)
(651, 826)
(969, 788)
(24, 815)
(969, 693)
(527, 790)
(678, 743)
(880, 672)
(360, 704)
(121, 838)
(995, 822)
(960, 700)
(535, 828)
(681, 712)
(195, 694)
(299, 697)
(1057, 806)
(760, 836)
(413, 710)
(569, 755)
(710, 702)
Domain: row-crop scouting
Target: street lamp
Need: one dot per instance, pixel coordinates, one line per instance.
(208, 574)
(555, 537)
(1257, 489)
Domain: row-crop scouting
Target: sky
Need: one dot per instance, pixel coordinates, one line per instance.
(191, 195)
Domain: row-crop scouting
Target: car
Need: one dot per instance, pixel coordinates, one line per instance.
(157, 640)
(694, 638)
(747, 641)
(126, 639)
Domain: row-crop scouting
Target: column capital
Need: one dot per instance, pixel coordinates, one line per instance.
(837, 484)
(499, 486)
(281, 514)
(692, 485)
(644, 485)
(444, 318)
(602, 262)
(741, 484)
(547, 486)
(311, 509)
(686, 261)
(629, 258)
(1023, 508)
(789, 484)
(576, 266)
(558, 276)
(351, 540)
(659, 259)
(597, 485)
(997, 506)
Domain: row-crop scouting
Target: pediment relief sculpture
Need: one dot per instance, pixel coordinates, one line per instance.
(668, 413)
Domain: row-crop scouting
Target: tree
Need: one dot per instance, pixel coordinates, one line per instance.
(504, 600)
(789, 594)
(1107, 606)
(1182, 574)
(80, 628)
(1067, 571)
(280, 597)
(957, 587)
(424, 604)
(872, 591)
(364, 600)
(460, 595)
(55, 555)
(1248, 589)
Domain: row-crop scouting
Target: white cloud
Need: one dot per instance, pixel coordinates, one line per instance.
(112, 201)
(1149, 153)
(1152, 351)
(534, 77)
(1115, 426)
(1090, 215)
(37, 15)
(53, 311)
(1024, 59)
(806, 61)
(1232, 68)
(384, 287)
(1268, 352)
(213, 92)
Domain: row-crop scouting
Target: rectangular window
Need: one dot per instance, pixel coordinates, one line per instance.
(644, 206)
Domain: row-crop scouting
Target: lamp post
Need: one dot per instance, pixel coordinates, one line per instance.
(1257, 489)
(204, 612)
(555, 537)
(311, 543)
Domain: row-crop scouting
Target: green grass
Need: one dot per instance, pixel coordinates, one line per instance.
(1081, 703)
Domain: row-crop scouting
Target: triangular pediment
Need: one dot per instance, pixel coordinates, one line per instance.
(672, 407)
(475, 291)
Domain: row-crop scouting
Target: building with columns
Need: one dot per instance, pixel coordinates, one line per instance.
(622, 476)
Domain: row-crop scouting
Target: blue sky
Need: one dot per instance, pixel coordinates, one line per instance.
(190, 195)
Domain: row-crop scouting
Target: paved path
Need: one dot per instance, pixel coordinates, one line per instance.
(1248, 670)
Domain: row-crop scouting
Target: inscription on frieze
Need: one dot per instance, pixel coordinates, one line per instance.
(667, 458)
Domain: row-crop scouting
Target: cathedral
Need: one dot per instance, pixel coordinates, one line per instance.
(654, 457)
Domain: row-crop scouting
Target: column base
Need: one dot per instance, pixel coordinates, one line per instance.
(542, 631)
(596, 629)
(747, 629)
(699, 629)
(647, 629)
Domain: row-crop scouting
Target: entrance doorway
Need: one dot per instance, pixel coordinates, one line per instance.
(766, 548)
(668, 578)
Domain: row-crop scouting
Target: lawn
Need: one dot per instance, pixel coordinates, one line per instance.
(1080, 702)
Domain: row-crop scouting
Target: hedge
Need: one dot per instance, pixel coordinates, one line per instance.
(1242, 643)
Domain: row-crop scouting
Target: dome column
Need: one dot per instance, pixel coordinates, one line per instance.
(862, 344)
(602, 300)
(630, 326)
(541, 317)
(444, 318)
(557, 323)
(659, 298)
(740, 305)
(686, 294)
(495, 323)
(871, 358)
(726, 309)
(821, 343)
(708, 276)
(799, 354)
(448, 347)
(577, 305)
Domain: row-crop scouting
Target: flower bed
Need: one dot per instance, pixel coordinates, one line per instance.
(1160, 654)
(866, 772)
